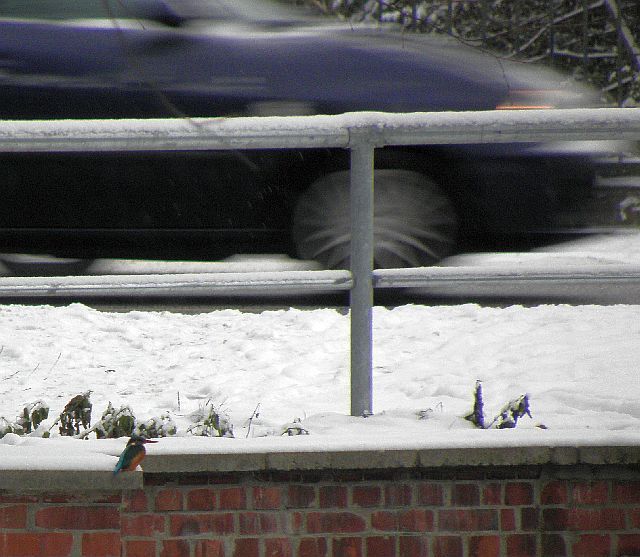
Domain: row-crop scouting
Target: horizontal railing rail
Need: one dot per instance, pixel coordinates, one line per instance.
(183, 284)
(341, 131)
(361, 133)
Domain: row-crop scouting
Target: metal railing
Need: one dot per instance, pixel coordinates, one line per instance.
(360, 133)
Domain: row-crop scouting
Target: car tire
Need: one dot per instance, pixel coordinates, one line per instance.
(415, 223)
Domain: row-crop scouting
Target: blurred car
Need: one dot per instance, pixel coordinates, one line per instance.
(222, 58)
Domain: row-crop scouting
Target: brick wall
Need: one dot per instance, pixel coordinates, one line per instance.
(542, 511)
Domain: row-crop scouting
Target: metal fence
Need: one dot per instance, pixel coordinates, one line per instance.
(361, 134)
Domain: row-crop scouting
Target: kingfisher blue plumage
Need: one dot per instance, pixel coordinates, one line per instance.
(133, 454)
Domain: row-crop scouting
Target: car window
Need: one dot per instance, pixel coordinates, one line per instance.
(93, 12)
(61, 9)
(227, 10)
(247, 10)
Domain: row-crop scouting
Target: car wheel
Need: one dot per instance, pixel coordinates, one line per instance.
(415, 224)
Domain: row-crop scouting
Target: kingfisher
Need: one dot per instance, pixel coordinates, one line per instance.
(133, 454)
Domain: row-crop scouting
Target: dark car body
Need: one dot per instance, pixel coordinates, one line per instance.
(64, 59)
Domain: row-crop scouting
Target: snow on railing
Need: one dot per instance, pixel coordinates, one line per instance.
(342, 131)
(361, 133)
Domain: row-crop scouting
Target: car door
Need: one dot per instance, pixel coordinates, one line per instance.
(57, 68)
(102, 67)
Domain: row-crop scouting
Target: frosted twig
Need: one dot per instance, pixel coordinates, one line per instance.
(254, 414)
(55, 363)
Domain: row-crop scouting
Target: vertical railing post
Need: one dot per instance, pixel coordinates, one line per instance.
(361, 300)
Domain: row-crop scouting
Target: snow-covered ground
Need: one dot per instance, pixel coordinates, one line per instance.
(578, 364)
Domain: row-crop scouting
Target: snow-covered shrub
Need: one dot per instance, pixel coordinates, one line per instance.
(508, 416)
(511, 412)
(115, 423)
(32, 416)
(76, 415)
(294, 428)
(159, 426)
(9, 427)
(210, 421)
(476, 417)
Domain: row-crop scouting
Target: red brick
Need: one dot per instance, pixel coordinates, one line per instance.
(201, 500)
(175, 548)
(59, 498)
(249, 523)
(265, 498)
(628, 544)
(139, 548)
(521, 545)
(296, 523)
(277, 547)
(529, 518)
(101, 544)
(12, 499)
(143, 525)
(51, 544)
(416, 520)
(107, 498)
(447, 546)
(467, 520)
(258, 523)
(430, 495)
(191, 524)
(591, 545)
(492, 494)
(384, 520)
(334, 523)
(520, 493)
(553, 545)
(168, 500)
(598, 519)
(366, 496)
(593, 493)
(583, 519)
(232, 498)
(413, 546)
(634, 517)
(381, 546)
(78, 518)
(554, 493)
(397, 495)
(13, 517)
(507, 520)
(208, 548)
(135, 501)
(347, 547)
(484, 546)
(301, 496)
(246, 547)
(555, 519)
(333, 496)
(466, 495)
(312, 547)
(626, 492)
